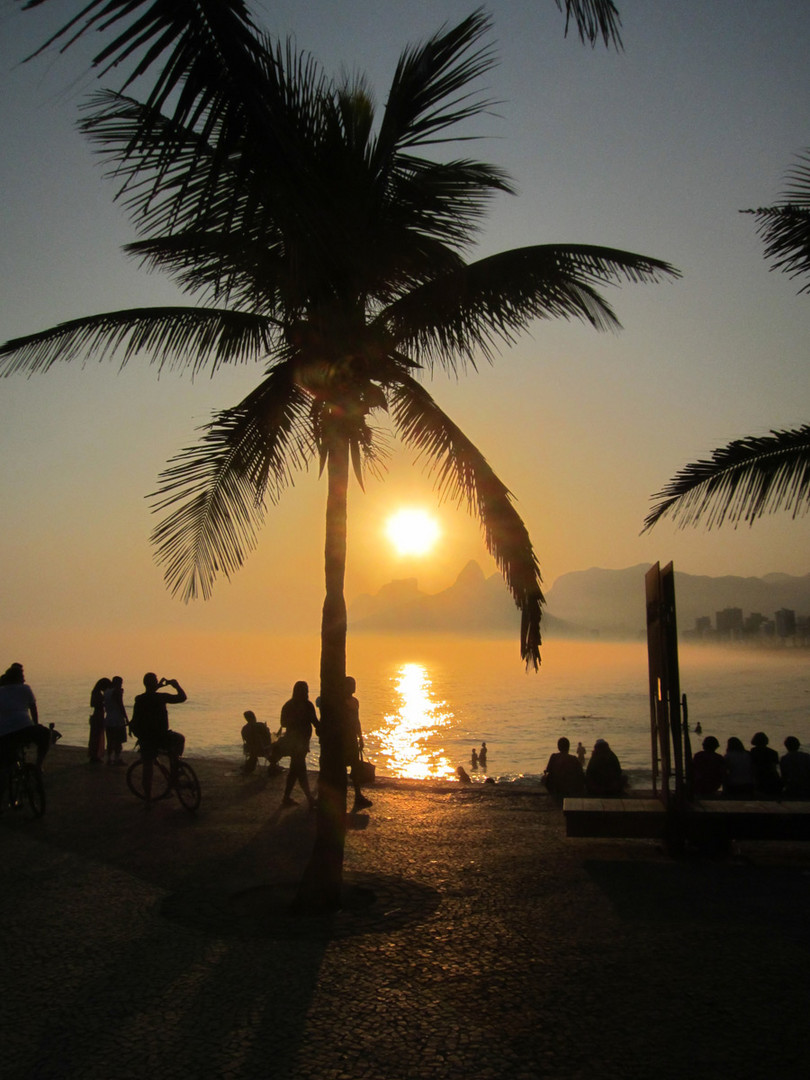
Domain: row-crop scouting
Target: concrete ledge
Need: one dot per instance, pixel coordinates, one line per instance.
(631, 818)
(705, 820)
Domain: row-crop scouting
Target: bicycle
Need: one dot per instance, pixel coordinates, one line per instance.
(25, 787)
(183, 783)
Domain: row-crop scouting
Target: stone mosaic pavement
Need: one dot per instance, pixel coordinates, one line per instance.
(478, 942)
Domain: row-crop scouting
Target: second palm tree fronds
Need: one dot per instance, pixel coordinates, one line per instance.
(741, 482)
(756, 475)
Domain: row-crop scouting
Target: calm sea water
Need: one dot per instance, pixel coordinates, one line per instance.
(425, 704)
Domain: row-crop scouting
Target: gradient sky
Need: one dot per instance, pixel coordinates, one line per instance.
(654, 150)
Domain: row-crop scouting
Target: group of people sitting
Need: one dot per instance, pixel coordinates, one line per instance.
(566, 778)
(758, 773)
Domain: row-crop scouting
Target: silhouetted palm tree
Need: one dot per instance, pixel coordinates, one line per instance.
(329, 248)
(764, 474)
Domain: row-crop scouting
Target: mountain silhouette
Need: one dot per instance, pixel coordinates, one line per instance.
(583, 603)
(474, 604)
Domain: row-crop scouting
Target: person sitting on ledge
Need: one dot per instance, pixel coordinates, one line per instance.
(604, 778)
(765, 763)
(564, 777)
(738, 782)
(795, 769)
(708, 769)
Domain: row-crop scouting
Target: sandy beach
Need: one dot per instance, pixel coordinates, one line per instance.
(478, 941)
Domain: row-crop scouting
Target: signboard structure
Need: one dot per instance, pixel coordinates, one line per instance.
(669, 733)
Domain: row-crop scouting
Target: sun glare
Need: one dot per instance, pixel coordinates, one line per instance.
(412, 532)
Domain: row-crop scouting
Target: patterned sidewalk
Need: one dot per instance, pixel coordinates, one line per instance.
(479, 943)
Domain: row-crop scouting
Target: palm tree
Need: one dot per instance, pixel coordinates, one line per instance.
(329, 248)
(757, 475)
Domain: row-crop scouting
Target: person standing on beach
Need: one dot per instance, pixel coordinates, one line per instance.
(150, 726)
(95, 745)
(298, 720)
(115, 720)
(353, 742)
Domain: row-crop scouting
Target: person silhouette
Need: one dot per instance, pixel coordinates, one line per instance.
(298, 719)
(564, 777)
(482, 755)
(795, 769)
(115, 720)
(19, 717)
(95, 745)
(765, 764)
(257, 740)
(603, 776)
(708, 768)
(353, 742)
(474, 758)
(150, 726)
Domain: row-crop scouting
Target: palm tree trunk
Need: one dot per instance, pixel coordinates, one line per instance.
(320, 887)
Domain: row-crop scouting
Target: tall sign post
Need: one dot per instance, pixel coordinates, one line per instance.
(666, 727)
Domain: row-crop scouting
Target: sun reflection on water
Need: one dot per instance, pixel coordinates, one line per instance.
(410, 737)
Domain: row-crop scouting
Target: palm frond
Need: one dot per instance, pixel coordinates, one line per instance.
(181, 338)
(168, 178)
(205, 48)
(486, 303)
(594, 19)
(220, 268)
(430, 92)
(785, 227)
(463, 474)
(226, 173)
(245, 458)
(442, 200)
(740, 482)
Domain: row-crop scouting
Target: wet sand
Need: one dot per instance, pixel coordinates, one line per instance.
(477, 941)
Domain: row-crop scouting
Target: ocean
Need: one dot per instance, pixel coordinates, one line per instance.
(426, 703)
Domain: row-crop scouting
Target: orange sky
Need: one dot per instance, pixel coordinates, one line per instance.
(653, 150)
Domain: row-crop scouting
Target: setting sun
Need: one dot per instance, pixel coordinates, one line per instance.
(412, 532)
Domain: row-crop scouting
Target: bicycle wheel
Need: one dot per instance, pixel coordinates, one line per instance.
(160, 780)
(16, 787)
(34, 789)
(187, 787)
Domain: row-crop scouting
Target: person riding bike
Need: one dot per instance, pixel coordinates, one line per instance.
(150, 725)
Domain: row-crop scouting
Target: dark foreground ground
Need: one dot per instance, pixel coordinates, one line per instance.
(140, 944)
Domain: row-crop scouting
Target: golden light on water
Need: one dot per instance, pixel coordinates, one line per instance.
(408, 736)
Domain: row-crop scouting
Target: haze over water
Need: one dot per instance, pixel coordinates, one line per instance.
(424, 704)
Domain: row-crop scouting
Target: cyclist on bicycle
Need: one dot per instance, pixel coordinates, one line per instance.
(150, 725)
(19, 718)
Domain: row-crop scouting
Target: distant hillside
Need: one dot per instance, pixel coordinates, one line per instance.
(611, 602)
(474, 604)
(584, 603)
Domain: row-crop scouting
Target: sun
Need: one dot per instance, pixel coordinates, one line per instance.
(412, 532)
